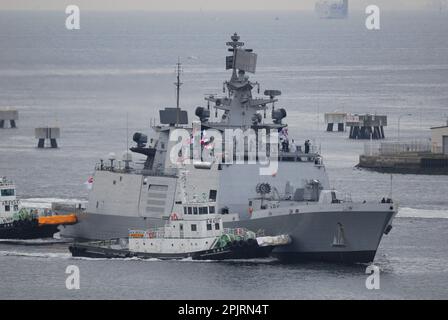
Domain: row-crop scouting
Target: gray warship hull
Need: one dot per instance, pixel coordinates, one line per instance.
(313, 234)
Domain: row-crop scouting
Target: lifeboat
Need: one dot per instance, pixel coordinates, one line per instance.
(67, 219)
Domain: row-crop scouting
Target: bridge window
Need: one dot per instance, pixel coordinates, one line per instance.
(211, 210)
(216, 226)
(193, 227)
(209, 226)
(195, 210)
(7, 192)
(185, 210)
(203, 210)
(190, 210)
(158, 187)
(212, 195)
(7, 208)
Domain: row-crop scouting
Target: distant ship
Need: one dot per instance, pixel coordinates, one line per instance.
(332, 9)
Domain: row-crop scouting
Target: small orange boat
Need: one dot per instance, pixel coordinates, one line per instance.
(67, 219)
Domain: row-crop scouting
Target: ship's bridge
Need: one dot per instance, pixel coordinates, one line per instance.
(8, 201)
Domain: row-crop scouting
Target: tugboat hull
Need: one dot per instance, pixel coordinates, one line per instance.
(240, 250)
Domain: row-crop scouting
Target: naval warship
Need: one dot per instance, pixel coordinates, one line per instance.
(294, 198)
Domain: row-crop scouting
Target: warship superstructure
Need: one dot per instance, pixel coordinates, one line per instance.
(294, 198)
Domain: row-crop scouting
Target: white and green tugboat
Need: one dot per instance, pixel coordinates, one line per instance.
(197, 233)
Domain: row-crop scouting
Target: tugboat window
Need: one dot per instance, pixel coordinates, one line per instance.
(212, 195)
(211, 210)
(7, 192)
(209, 226)
(193, 227)
(195, 210)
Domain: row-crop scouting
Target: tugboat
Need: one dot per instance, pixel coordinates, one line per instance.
(22, 223)
(197, 233)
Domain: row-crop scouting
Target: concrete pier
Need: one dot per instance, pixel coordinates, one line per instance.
(415, 163)
(403, 157)
(11, 115)
(47, 133)
(366, 126)
(335, 117)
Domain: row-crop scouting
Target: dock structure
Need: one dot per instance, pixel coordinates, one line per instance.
(335, 117)
(47, 133)
(439, 138)
(366, 126)
(11, 115)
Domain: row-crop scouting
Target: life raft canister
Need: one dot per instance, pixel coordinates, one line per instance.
(239, 231)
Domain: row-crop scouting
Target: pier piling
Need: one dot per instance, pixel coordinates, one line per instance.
(335, 117)
(47, 133)
(11, 115)
(366, 126)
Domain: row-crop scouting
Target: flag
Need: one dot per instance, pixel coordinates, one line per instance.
(89, 183)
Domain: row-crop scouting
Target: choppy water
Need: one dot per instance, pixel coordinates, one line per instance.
(123, 63)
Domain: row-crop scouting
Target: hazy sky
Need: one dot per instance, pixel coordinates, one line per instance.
(196, 5)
